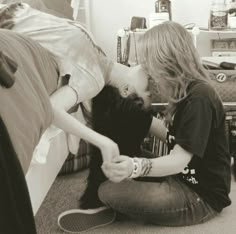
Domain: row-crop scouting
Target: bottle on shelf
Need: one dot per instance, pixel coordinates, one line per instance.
(163, 6)
(218, 15)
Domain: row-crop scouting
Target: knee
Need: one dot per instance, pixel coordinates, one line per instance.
(104, 192)
(112, 194)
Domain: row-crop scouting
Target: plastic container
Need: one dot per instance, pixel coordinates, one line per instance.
(218, 15)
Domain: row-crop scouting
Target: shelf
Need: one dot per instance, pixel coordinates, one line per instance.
(227, 31)
(218, 60)
(134, 36)
(196, 31)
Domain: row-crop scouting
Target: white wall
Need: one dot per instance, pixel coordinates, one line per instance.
(107, 16)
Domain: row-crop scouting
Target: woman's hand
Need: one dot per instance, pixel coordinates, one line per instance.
(118, 169)
(109, 150)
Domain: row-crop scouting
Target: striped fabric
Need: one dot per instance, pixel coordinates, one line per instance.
(78, 162)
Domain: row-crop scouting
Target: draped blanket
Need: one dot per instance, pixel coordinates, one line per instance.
(24, 104)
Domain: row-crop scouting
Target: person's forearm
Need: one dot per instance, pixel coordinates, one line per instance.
(171, 164)
(71, 125)
(62, 100)
(164, 166)
(68, 123)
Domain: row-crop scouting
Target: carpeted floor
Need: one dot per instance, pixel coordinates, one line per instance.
(65, 193)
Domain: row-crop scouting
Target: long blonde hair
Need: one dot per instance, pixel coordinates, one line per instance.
(170, 58)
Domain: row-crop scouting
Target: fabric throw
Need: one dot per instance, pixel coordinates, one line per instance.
(46, 6)
(25, 107)
(7, 14)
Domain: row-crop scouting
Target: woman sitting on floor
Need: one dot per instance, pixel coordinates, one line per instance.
(198, 166)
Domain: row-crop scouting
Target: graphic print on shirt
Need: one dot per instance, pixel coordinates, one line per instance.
(188, 174)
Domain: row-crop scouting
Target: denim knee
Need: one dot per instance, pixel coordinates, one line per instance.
(102, 192)
(169, 203)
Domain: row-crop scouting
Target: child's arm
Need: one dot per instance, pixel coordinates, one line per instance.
(63, 120)
(158, 129)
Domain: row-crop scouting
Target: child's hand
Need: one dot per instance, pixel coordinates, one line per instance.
(109, 150)
(118, 169)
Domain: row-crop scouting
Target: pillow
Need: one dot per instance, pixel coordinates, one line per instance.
(77, 162)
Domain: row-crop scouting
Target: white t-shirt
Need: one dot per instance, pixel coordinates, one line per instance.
(78, 54)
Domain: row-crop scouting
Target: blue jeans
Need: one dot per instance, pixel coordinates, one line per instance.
(169, 203)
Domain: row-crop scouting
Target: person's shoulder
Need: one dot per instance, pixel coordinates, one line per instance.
(202, 90)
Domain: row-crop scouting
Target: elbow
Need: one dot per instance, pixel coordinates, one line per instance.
(180, 164)
(63, 99)
(180, 158)
(56, 105)
(181, 168)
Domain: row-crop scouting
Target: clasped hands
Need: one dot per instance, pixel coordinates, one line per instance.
(116, 167)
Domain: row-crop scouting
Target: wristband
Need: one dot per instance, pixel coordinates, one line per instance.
(141, 167)
(137, 166)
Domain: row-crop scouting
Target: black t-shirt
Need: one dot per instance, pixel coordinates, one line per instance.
(122, 119)
(199, 127)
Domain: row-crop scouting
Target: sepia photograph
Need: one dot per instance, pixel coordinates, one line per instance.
(118, 116)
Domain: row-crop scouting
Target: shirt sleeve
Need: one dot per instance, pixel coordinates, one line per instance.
(194, 126)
